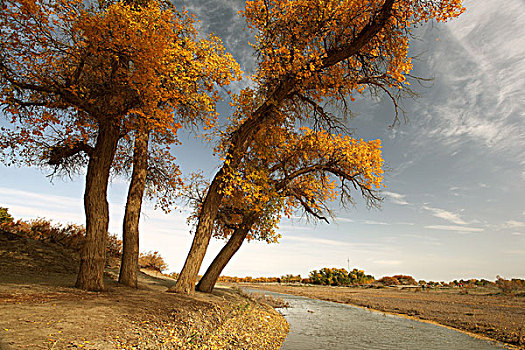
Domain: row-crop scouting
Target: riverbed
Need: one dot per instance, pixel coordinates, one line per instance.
(321, 325)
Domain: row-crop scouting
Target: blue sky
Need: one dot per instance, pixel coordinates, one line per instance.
(454, 206)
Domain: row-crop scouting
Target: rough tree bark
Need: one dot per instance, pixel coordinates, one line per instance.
(209, 279)
(93, 255)
(239, 144)
(130, 239)
(241, 139)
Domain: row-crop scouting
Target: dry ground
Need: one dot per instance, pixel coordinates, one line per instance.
(39, 309)
(499, 317)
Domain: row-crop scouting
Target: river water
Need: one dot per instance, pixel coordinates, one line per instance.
(323, 325)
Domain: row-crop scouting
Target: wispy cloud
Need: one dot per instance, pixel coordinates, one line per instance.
(37, 198)
(446, 215)
(514, 224)
(295, 228)
(341, 219)
(454, 228)
(372, 222)
(476, 97)
(396, 198)
(313, 240)
(221, 18)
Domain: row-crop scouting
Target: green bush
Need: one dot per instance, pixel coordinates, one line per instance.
(291, 278)
(339, 277)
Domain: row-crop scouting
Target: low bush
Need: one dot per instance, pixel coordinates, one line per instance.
(388, 281)
(71, 236)
(152, 260)
(5, 217)
(405, 280)
(510, 286)
(339, 277)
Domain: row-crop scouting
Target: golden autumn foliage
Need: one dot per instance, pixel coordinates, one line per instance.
(68, 66)
(302, 171)
(313, 55)
(306, 41)
(76, 77)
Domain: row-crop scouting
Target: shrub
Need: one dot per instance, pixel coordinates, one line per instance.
(509, 286)
(389, 281)
(113, 246)
(5, 217)
(405, 280)
(71, 236)
(152, 260)
(291, 278)
(339, 277)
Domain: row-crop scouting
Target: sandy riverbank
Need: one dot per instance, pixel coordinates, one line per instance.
(498, 317)
(39, 309)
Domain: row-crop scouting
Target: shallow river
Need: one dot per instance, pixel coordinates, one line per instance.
(323, 325)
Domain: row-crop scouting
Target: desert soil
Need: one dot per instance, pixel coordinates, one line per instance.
(495, 316)
(40, 309)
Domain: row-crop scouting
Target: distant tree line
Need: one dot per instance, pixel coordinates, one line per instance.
(339, 277)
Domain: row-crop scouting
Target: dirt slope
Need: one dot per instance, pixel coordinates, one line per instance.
(40, 309)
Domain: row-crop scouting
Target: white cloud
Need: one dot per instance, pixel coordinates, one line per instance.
(372, 222)
(314, 240)
(514, 224)
(518, 233)
(477, 96)
(294, 228)
(28, 205)
(20, 196)
(446, 215)
(454, 228)
(396, 198)
(341, 219)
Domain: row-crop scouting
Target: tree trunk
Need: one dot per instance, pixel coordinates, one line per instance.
(188, 276)
(209, 279)
(130, 240)
(93, 255)
(240, 142)
(242, 137)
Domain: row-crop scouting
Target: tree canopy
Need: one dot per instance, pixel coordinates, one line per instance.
(77, 77)
(312, 54)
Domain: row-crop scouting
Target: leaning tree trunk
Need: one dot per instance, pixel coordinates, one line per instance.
(208, 280)
(130, 240)
(188, 276)
(93, 255)
(240, 142)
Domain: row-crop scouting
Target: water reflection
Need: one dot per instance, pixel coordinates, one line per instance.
(322, 325)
